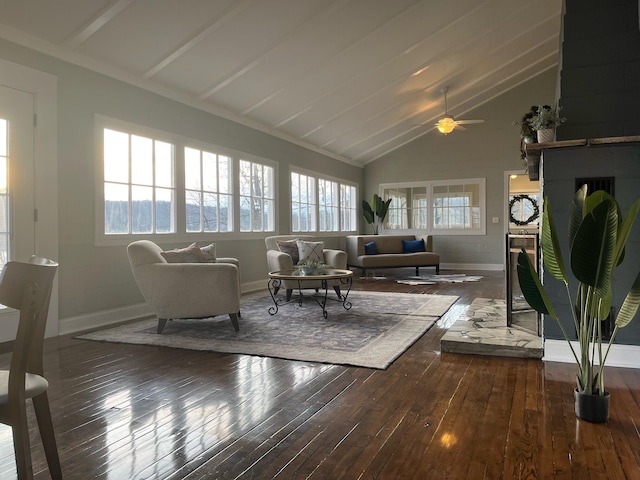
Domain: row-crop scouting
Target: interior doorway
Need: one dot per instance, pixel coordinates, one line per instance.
(523, 212)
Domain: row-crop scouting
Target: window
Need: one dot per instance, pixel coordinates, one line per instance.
(303, 203)
(208, 191)
(158, 183)
(257, 204)
(348, 209)
(321, 204)
(451, 207)
(139, 189)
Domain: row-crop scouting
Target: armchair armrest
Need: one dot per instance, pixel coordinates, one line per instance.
(180, 290)
(277, 260)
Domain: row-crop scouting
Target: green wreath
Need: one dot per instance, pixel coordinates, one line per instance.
(521, 198)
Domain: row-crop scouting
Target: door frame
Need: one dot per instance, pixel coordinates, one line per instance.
(44, 88)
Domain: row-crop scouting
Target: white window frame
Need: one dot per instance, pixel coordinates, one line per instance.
(429, 185)
(315, 205)
(179, 143)
(265, 201)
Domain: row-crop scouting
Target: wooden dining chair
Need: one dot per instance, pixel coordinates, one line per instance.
(27, 288)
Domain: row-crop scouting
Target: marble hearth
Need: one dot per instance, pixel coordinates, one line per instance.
(483, 330)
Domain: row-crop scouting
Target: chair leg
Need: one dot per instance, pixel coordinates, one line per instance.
(289, 293)
(21, 445)
(47, 434)
(437, 269)
(417, 271)
(337, 289)
(161, 323)
(234, 321)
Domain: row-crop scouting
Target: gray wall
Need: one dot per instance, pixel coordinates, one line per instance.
(484, 150)
(561, 167)
(94, 278)
(600, 77)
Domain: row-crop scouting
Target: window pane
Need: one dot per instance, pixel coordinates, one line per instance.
(226, 224)
(224, 172)
(193, 202)
(141, 160)
(164, 164)
(210, 212)
(116, 156)
(209, 172)
(141, 210)
(165, 208)
(192, 174)
(116, 208)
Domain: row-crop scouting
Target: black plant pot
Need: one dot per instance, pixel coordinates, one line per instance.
(592, 408)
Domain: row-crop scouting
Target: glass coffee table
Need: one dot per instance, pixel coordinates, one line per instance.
(344, 278)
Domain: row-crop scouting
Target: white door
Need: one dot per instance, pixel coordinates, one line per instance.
(17, 223)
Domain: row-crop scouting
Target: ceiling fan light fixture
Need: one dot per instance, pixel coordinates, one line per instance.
(446, 125)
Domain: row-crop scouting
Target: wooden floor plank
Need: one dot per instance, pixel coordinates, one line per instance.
(143, 412)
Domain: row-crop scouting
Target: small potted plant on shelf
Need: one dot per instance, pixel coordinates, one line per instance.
(598, 233)
(544, 121)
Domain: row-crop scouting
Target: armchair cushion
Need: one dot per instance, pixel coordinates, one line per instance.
(310, 252)
(290, 247)
(190, 254)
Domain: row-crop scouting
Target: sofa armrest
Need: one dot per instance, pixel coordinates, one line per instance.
(428, 242)
(335, 258)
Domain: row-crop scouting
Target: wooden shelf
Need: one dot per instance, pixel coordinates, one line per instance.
(536, 148)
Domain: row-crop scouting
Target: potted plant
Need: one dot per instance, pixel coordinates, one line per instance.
(544, 121)
(375, 212)
(598, 233)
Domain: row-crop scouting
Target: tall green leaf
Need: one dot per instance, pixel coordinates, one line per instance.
(630, 305)
(577, 212)
(624, 230)
(367, 212)
(551, 253)
(531, 287)
(593, 248)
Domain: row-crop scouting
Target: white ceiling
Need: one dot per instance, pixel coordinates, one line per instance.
(354, 79)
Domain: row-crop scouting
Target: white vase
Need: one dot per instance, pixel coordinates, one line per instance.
(546, 135)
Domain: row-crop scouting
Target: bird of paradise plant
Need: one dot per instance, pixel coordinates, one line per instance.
(598, 233)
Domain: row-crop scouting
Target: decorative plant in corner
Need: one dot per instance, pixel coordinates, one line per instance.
(597, 236)
(375, 213)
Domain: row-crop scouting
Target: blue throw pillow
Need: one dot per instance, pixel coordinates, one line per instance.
(370, 248)
(413, 246)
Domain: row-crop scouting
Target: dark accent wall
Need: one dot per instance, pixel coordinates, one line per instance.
(600, 96)
(600, 69)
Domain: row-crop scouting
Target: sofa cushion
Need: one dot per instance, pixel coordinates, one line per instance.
(310, 251)
(370, 248)
(290, 247)
(190, 254)
(413, 246)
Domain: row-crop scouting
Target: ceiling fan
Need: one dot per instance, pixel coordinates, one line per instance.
(448, 123)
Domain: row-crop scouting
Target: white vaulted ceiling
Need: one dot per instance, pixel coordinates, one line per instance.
(354, 79)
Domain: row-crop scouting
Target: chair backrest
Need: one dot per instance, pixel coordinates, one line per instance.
(144, 252)
(27, 287)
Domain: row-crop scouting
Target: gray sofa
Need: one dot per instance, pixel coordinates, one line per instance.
(390, 254)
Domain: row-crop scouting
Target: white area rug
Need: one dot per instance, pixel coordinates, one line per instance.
(373, 333)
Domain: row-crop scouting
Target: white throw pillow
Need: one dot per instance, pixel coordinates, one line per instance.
(310, 251)
(210, 253)
(190, 254)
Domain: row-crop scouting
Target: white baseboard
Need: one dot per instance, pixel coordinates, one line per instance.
(114, 316)
(627, 356)
(103, 318)
(471, 266)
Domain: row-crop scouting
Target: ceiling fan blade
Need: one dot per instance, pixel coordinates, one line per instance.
(466, 122)
(460, 127)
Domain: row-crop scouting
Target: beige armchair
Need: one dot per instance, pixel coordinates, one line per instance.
(185, 290)
(279, 260)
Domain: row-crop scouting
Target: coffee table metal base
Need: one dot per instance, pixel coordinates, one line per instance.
(274, 285)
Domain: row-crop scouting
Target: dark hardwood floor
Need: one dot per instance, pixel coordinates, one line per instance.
(139, 412)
